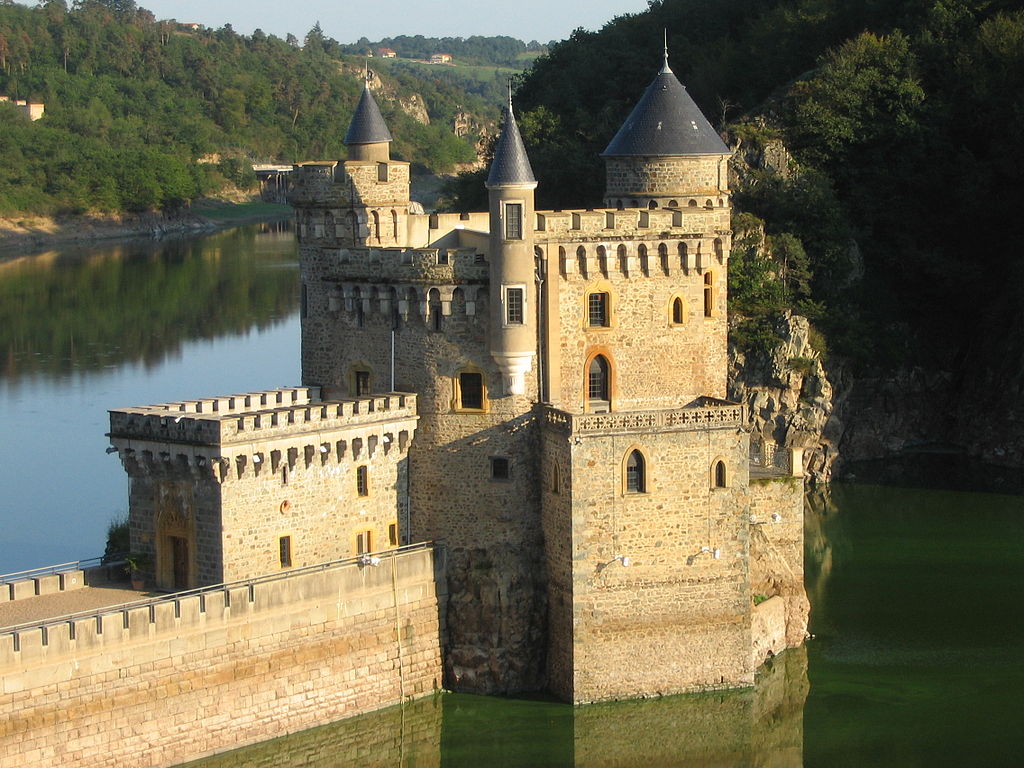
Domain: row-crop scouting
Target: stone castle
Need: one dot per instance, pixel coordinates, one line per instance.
(541, 391)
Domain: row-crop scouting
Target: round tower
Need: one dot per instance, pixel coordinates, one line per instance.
(513, 290)
(368, 137)
(666, 154)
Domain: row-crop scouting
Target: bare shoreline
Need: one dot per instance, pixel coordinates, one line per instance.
(18, 235)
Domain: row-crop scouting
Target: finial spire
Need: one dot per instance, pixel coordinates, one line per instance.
(366, 73)
(510, 94)
(665, 67)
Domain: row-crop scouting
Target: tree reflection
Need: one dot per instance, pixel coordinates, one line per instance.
(83, 310)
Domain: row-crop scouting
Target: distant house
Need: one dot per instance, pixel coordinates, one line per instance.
(33, 110)
(190, 26)
(441, 58)
(386, 53)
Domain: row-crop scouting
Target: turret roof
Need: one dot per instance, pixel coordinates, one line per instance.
(367, 126)
(511, 165)
(666, 122)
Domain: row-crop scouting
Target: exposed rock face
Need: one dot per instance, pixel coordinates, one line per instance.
(416, 108)
(497, 622)
(789, 398)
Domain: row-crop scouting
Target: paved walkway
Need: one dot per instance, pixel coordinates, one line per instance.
(62, 603)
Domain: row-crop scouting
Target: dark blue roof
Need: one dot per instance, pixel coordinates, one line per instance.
(367, 126)
(510, 165)
(666, 123)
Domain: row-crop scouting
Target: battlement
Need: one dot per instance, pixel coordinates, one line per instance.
(407, 265)
(291, 426)
(705, 215)
(704, 413)
(339, 183)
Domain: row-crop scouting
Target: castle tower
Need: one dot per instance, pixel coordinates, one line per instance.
(666, 154)
(368, 137)
(511, 186)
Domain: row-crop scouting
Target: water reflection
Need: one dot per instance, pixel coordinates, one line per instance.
(88, 309)
(89, 329)
(762, 726)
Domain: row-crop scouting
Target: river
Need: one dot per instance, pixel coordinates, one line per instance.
(916, 658)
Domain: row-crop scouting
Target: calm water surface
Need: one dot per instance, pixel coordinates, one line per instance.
(86, 330)
(917, 655)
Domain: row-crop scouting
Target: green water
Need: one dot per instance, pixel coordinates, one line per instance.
(916, 661)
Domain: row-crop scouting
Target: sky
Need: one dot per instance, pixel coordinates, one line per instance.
(347, 21)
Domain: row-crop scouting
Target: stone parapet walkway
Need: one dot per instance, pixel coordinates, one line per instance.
(63, 603)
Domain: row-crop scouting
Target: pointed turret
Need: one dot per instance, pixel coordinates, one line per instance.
(368, 135)
(510, 185)
(665, 150)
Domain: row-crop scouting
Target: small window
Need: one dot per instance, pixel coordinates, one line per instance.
(362, 480)
(471, 390)
(393, 535)
(645, 219)
(719, 475)
(364, 542)
(609, 220)
(597, 383)
(575, 221)
(513, 221)
(284, 548)
(382, 171)
(636, 477)
(362, 382)
(556, 479)
(709, 294)
(500, 469)
(514, 310)
(597, 310)
(678, 311)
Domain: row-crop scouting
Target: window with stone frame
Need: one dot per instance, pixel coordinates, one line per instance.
(515, 311)
(471, 391)
(598, 384)
(364, 542)
(362, 383)
(513, 221)
(362, 480)
(636, 474)
(597, 310)
(284, 548)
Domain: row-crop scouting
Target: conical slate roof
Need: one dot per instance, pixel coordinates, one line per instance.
(510, 166)
(367, 126)
(666, 123)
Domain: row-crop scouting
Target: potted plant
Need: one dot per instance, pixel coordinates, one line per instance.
(136, 563)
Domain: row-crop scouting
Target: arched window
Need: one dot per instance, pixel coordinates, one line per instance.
(598, 380)
(376, 226)
(719, 249)
(692, 204)
(673, 203)
(709, 294)
(353, 224)
(718, 475)
(556, 479)
(652, 205)
(636, 474)
(641, 252)
(678, 311)
(394, 224)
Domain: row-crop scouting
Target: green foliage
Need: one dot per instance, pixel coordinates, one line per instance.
(133, 103)
(118, 540)
(500, 51)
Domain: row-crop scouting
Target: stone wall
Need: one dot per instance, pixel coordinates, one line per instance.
(635, 180)
(676, 618)
(163, 683)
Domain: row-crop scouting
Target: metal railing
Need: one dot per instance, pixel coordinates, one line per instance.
(202, 592)
(49, 570)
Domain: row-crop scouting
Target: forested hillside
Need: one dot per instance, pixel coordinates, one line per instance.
(905, 122)
(132, 103)
(477, 50)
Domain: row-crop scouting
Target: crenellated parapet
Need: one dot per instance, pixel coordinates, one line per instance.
(705, 413)
(259, 432)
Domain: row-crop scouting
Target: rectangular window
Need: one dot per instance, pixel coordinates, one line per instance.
(513, 221)
(500, 469)
(362, 383)
(393, 534)
(364, 542)
(471, 391)
(597, 310)
(362, 481)
(514, 310)
(382, 171)
(284, 545)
